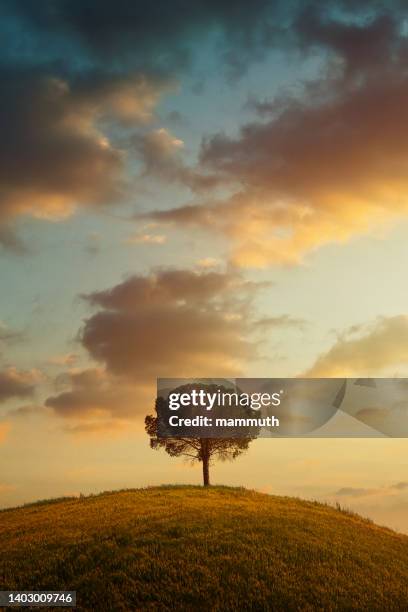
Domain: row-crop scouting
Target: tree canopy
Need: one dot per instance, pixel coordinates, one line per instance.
(202, 449)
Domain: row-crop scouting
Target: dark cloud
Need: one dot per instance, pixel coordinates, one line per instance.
(364, 47)
(162, 35)
(16, 383)
(70, 68)
(181, 323)
(54, 154)
(173, 322)
(93, 393)
(76, 66)
(169, 323)
(319, 168)
(166, 288)
(162, 157)
(157, 35)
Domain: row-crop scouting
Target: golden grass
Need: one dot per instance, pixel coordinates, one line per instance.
(187, 548)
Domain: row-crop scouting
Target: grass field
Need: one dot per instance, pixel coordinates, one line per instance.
(187, 548)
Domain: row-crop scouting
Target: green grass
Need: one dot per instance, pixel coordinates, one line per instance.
(186, 548)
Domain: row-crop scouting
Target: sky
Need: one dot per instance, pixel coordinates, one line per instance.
(198, 189)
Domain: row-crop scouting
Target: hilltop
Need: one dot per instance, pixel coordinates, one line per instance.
(191, 548)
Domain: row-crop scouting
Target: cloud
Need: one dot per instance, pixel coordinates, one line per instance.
(9, 336)
(357, 492)
(168, 288)
(399, 486)
(69, 359)
(144, 238)
(379, 418)
(279, 321)
(160, 143)
(17, 383)
(321, 167)
(25, 411)
(392, 420)
(365, 492)
(160, 35)
(367, 350)
(380, 403)
(82, 68)
(93, 394)
(208, 262)
(172, 322)
(51, 127)
(298, 183)
(363, 47)
(161, 155)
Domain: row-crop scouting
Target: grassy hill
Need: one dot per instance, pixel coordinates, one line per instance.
(193, 549)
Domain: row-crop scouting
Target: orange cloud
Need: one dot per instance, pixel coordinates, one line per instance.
(142, 238)
(208, 262)
(170, 323)
(95, 395)
(368, 350)
(51, 127)
(319, 169)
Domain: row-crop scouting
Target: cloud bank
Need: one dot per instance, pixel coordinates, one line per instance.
(322, 167)
(54, 152)
(171, 322)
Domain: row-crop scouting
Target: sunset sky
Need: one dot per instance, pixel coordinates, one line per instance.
(198, 189)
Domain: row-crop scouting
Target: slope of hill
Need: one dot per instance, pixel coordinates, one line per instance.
(193, 549)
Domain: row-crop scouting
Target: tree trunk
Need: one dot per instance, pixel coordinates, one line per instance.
(206, 470)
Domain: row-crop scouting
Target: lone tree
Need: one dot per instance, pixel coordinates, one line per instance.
(205, 450)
